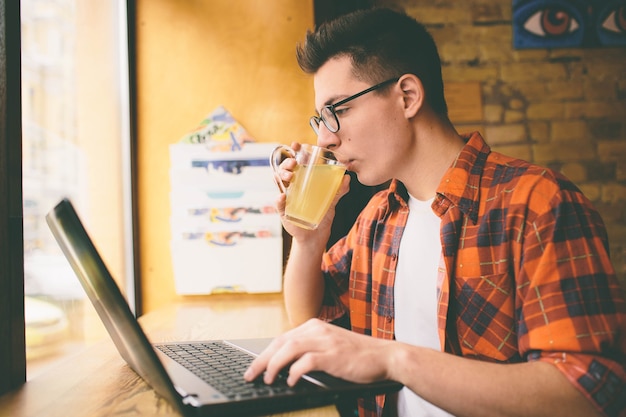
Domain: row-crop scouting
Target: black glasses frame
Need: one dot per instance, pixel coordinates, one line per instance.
(315, 121)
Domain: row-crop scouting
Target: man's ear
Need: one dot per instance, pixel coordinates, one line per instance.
(413, 94)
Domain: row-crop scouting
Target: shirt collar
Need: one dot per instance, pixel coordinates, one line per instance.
(461, 182)
(397, 196)
(460, 186)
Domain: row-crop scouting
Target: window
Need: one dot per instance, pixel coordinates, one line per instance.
(76, 144)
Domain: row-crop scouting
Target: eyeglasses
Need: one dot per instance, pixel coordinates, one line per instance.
(328, 114)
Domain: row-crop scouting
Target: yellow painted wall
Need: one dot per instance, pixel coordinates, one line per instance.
(193, 56)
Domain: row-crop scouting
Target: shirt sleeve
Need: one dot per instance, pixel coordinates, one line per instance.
(336, 271)
(572, 309)
(349, 257)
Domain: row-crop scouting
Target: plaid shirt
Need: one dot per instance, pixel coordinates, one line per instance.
(525, 273)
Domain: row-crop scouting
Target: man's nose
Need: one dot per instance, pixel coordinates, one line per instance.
(326, 138)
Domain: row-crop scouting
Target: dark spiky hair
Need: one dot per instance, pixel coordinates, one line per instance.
(381, 43)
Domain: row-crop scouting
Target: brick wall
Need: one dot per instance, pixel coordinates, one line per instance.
(560, 108)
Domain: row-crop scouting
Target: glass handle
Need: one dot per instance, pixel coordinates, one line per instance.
(275, 159)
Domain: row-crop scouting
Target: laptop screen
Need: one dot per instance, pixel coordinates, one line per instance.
(108, 300)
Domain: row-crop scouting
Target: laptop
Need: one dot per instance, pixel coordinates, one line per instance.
(203, 378)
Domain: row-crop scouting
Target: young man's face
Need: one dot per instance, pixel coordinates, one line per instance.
(372, 137)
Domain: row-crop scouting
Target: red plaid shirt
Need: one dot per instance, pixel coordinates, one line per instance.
(525, 273)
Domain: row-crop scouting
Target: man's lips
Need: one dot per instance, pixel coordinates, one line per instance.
(349, 164)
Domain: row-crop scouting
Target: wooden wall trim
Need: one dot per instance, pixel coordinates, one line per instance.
(131, 29)
(12, 342)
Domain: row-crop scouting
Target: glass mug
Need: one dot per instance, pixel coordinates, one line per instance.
(316, 180)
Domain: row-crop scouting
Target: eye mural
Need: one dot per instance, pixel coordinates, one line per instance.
(569, 23)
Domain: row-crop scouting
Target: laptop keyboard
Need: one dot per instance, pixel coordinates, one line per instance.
(222, 366)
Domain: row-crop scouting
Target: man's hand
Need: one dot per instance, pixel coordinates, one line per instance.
(285, 175)
(461, 386)
(320, 346)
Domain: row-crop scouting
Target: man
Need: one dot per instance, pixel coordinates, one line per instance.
(480, 282)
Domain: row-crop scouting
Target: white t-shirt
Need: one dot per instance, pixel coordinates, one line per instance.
(415, 295)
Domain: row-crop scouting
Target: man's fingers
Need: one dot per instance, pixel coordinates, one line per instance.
(304, 364)
(259, 364)
(280, 202)
(269, 360)
(343, 188)
(255, 369)
(281, 352)
(282, 358)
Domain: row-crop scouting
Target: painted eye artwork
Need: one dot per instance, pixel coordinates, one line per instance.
(569, 23)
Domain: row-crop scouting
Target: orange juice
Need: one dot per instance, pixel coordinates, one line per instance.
(310, 193)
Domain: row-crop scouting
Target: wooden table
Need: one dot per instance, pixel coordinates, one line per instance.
(97, 381)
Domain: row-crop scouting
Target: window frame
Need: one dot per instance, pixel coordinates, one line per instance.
(12, 318)
(12, 332)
